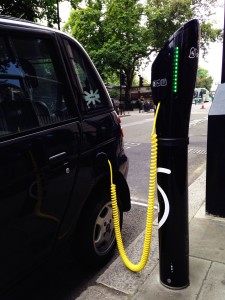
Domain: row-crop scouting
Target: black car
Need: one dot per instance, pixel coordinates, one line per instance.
(58, 128)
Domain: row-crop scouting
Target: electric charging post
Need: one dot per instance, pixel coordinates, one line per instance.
(173, 81)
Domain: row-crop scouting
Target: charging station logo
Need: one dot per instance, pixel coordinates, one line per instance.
(159, 82)
(193, 53)
(165, 198)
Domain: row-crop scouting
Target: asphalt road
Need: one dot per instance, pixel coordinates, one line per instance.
(65, 279)
(137, 129)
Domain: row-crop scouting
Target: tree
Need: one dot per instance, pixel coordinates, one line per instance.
(165, 17)
(31, 10)
(118, 35)
(203, 79)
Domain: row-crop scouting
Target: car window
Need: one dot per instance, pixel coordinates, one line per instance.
(94, 95)
(32, 92)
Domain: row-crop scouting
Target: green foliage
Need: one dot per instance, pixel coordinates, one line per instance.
(170, 15)
(119, 34)
(114, 93)
(209, 34)
(204, 80)
(165, 17)
(31, 10)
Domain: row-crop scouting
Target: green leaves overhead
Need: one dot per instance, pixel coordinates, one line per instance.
(165, 17)
(120, 34)
(32, 10)
(113, 32)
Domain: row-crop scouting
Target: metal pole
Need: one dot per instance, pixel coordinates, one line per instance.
(58, 19)
(223, 55)
(120, 86)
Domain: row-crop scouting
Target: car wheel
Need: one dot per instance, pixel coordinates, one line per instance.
(96, 237)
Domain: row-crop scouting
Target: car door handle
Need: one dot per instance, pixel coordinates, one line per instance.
(58, 159)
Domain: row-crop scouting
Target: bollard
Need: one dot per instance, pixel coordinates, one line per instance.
(173, 81)
(202, 104)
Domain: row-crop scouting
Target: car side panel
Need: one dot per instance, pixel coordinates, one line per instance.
(36, 183)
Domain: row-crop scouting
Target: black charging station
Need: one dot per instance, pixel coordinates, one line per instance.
(173, 81)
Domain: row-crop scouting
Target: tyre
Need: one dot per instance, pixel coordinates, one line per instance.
(95, 241)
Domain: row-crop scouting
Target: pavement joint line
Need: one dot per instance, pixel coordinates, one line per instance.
(206, 259)
(111, 288)
(206, 275)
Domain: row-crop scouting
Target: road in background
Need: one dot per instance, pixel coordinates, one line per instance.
(137, 129)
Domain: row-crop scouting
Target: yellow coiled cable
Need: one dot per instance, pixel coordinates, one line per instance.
(150, 212)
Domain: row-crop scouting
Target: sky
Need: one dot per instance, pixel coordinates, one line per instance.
(213, 60)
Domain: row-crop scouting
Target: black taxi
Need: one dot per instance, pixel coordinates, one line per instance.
(58, 128)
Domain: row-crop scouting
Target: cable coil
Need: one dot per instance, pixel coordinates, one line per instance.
(150, 211)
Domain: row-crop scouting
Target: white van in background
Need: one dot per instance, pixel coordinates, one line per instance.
(199, 94)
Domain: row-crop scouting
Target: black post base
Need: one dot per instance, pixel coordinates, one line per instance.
(173, 213)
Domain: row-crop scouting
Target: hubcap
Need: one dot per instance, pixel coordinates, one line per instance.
(104, 235)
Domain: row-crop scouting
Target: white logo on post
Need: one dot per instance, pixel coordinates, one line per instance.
(193, 53)
(165, 198)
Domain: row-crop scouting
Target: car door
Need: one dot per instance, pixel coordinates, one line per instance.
(100, 127)
(39, 148)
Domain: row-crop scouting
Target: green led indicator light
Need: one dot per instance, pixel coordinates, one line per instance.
(175, 69)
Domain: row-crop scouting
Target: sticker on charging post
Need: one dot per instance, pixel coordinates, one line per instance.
(165, 198)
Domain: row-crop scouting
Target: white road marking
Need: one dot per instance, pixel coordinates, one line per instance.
(137, 123)
(142, 204)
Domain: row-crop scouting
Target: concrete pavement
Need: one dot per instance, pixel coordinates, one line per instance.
(207, 263)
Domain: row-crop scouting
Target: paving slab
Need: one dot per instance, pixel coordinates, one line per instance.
(207, 239)
(152, 289)
(101, 293)
(196, 195)
(119, 278)
(214, 284)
